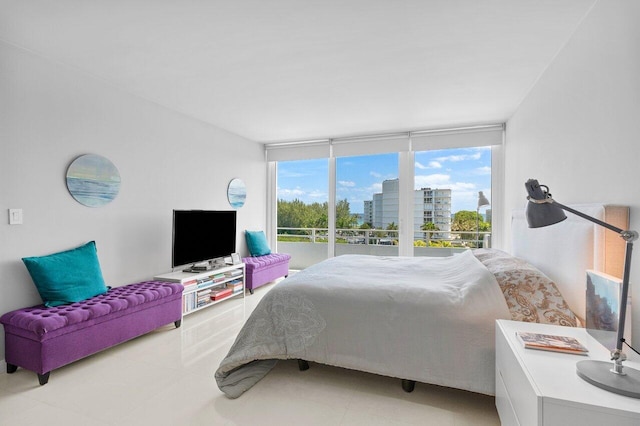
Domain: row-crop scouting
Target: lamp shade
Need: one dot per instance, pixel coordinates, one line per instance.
(541, 210)
(482, 200)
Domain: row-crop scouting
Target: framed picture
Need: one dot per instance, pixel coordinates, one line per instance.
(235, 258)
(603, 308)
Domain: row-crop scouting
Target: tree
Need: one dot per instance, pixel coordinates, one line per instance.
(429, 226)
(465, 222)
(344, 218)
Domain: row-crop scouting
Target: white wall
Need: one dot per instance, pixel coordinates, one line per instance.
(578, 130)
(49, 115)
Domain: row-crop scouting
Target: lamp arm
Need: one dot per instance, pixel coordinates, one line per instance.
(629, 237)
(589, 218)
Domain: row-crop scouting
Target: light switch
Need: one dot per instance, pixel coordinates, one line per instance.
(15, 216)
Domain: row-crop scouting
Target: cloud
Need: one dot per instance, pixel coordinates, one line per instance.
(291, 193)
(317, 194)
(482, 171)
(430, 165)
(375, 174)
(347, 183)
(442, 181)
(461, 157)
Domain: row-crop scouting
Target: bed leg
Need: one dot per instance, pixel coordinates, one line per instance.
(303, 365)
(408, 385)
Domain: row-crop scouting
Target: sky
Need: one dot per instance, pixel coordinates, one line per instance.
(465, 171)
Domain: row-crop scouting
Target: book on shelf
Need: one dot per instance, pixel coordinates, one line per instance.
(233, 273)
(204, 283)
(189, 287)
(235, 286)
(218, 277)
(551, 342)
(221, 293)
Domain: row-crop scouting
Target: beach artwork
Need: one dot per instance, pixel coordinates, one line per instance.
(236, 193)
(93, 180)
(603, 307)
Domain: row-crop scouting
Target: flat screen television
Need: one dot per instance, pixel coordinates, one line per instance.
(202, 235)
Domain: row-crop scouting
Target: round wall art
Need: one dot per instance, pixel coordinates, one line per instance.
(93, 180)
(236, 193)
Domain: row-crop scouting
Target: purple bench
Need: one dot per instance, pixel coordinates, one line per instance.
(263, 269)
(42, 339)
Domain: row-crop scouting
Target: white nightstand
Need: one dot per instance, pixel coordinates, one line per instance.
(536, 387)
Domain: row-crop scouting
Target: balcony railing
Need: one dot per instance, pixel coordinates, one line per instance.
(309, 245)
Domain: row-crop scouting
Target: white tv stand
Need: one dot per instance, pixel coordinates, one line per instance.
(198, 284)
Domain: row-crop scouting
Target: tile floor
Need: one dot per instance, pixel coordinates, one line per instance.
(166, 378)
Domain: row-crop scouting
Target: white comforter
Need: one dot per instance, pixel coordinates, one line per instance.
(425, 319)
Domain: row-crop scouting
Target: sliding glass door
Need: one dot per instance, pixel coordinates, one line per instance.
(367, 201)
(303, 210)
(423, 193)
(448, 213)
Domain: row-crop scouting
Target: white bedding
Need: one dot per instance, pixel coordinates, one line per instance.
(425, 319)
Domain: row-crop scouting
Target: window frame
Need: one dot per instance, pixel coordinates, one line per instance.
(487, 135)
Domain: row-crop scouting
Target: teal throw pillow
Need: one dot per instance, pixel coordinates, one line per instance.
(257, 243)
(67, 277)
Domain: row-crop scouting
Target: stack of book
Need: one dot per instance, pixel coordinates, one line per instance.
(221, 293)
(190, 285)
(203, 282)
(233, 273)
(551, 342)
(204, 297)
(218, 278)
(235, 286)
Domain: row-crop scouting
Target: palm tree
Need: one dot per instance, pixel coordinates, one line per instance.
(429, 226)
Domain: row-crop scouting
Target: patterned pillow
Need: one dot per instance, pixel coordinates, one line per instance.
(531, 296)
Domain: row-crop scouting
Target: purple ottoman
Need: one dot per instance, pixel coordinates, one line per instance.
(42, 339)
(263, 269)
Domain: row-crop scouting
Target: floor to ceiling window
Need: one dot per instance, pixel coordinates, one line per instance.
(427, 193)
(303, 209)
(367, 201)
(452, 194)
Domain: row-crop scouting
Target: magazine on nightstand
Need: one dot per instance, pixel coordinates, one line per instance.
(551, 342)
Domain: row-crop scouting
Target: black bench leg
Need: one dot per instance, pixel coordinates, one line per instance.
(43, 378)
(178, 323)
(303, 365)
(251, 290)
(11, 368)
(408, 385)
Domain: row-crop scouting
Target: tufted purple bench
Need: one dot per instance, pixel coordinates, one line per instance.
(263, 269)
(42, 339)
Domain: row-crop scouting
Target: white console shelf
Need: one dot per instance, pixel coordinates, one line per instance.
(199, 286)
(535, 387)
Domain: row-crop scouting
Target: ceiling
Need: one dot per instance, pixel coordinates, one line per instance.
(280, 70)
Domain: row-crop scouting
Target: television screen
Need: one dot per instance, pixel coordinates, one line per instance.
(202, 235)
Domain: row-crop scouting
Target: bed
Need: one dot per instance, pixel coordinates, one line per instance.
(419, 319)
